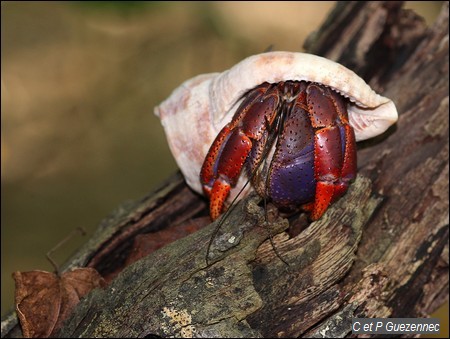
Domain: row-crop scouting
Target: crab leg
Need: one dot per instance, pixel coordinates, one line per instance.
(229, 151)
(334, 149)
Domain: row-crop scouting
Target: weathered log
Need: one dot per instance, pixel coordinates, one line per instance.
(380, 251)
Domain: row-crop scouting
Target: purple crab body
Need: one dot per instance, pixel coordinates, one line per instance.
(294, 140)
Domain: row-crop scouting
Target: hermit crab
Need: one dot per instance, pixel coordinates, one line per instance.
(288, 122)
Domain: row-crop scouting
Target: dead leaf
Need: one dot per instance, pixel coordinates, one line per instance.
(44, 299)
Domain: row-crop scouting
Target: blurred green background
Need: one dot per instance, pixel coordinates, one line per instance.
(78, 84)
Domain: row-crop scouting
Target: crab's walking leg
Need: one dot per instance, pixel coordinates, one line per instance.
(229, 151)
(334, 148)
(232, 159)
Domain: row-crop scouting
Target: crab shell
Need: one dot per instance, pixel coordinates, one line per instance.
(195, 112)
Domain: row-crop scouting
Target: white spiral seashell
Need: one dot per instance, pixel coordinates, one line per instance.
(195, 112)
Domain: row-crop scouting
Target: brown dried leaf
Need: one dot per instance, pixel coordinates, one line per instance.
(44, 300)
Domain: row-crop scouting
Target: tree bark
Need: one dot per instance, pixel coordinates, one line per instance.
(380, 251)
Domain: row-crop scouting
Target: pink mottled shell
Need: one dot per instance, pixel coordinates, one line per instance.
(196, 111)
